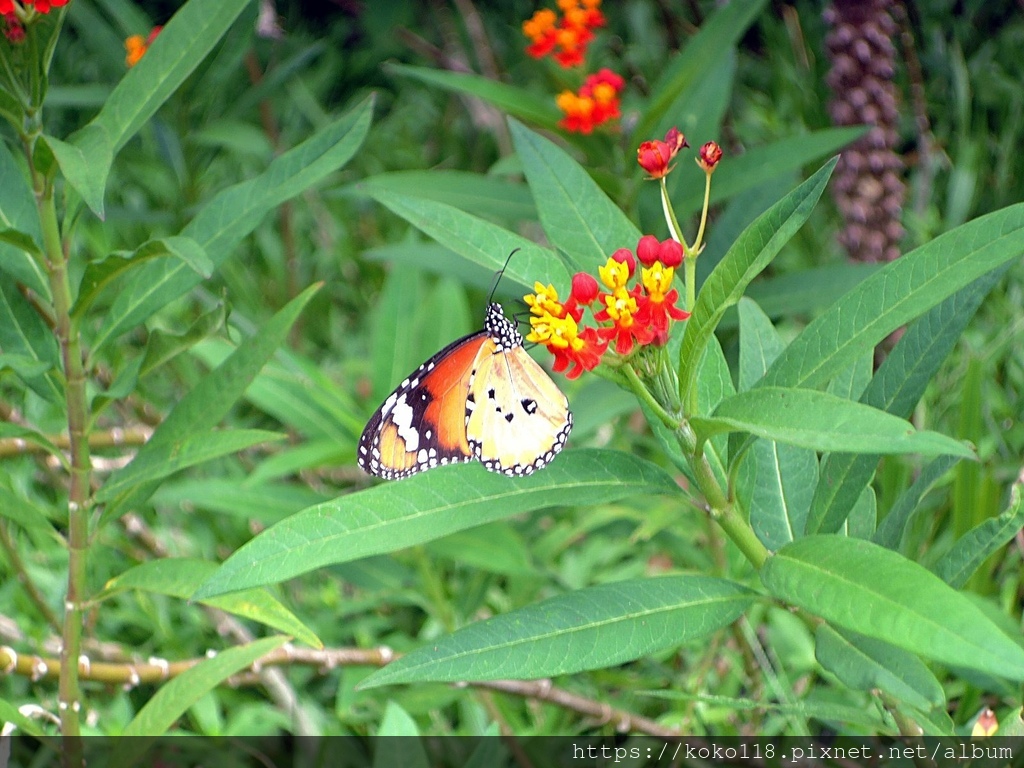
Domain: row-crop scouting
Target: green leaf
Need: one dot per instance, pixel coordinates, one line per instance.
(890, 533)
(588, 629)
(99, 274)
(231, 215)
(162, 347)
(822, 422)
(863, 663)
(175, 696)
(578, 217)
(397, 722)
(23, 333)
(85, 161)
(865, 588)
(182, 44)
(179, 577)
(981, 542)
(23, 512)
(11, 715)
(170, 457)
(425, 507)
(775, 481)
(748, 256)
(209, 401)
(494, 548)
(18, 212)
(485, 196)
(896, 388)
(896, 294)
(477, 240)
(519, 102)
(394, 352)
(705, 52)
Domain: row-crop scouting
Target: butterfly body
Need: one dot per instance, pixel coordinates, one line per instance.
(481, 398)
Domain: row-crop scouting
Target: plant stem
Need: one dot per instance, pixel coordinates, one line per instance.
(69, 700)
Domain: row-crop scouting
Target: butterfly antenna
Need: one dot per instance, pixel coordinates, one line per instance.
(501, 272)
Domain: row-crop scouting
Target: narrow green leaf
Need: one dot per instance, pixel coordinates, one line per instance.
(179, 577)
(896, 294)
(981, 542)
(209, 401)
(99, 274)
(11, 715)
(486, 196)
(232, 214)
(162, 347)
(494, 548)
(896, 522)
(174, 697)
(22, 512)
(85, 161)
(393, 352)
(860, 586)
(477, 240)
(170, 457)
(18, 212)
(704, 53)
(182, 44)
(822, 422)
(397, 722)
(864, 663)
(748, 256)
(23, 333)
(578, 217)
(588, 629)
(526, 105)
(424, 507)
(896, 388)
(264, 502)
(775, 481)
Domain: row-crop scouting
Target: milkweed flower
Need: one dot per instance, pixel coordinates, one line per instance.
(9, 7)
(137, 45)
(628, 317)
(596, 102)
(656, 156)
(708, 157)
(566, 38)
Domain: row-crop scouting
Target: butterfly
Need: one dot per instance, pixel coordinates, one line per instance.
(481, 398)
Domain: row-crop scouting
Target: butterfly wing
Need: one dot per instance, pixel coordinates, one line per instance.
(422, 424)
(518, 417)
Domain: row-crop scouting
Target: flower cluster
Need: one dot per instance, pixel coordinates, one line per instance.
(137, 45)
(596, 102)
(566, 38)
(15, 14)
(628, 317)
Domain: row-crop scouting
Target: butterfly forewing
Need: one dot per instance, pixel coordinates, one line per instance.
(422, 424)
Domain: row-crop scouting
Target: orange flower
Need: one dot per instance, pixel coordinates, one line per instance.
(569, 34)
(596, 102)
(136, 46)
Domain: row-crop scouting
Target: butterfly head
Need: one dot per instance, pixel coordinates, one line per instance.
(503, 332)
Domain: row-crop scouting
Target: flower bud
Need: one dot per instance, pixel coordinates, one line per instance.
(647, 250)
(625, 256)
(584, 288)
(708, 156)
(670, 253)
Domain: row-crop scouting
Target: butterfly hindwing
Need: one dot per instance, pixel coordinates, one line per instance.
(422, 424)
(518, 419)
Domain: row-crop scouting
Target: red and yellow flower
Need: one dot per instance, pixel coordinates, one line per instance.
(137, 45)
(656, 156)
(596, 102)
(10, 7)
(629, 317)
(565, 38)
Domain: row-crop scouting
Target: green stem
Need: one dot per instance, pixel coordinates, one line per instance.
(69, 698)
(698, 243)
(644, 394)
(690, 278)
(670, 216)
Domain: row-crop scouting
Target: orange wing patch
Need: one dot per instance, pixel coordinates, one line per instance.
(422, 424)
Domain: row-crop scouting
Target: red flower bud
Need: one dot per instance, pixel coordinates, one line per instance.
(675, 139)
(584, 288)
(647, 250)
(654, 157)
(626, 257)
(670, 253)
(708, 156)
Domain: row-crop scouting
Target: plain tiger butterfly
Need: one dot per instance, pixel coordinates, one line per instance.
(481, 398)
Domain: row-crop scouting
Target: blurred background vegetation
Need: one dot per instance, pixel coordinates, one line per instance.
(257, 96)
